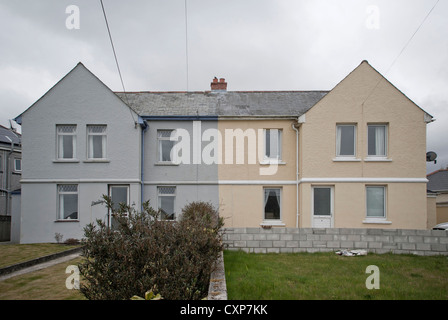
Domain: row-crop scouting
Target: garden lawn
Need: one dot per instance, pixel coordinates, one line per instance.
(14, 253)
(328, 276)
(44, 284)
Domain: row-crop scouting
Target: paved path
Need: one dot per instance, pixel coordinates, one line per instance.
(40, 266)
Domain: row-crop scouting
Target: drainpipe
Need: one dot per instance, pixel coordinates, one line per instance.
(297, 173)
(8, 174)
(144, 127)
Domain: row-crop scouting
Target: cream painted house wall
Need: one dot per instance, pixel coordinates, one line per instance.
(241, 186)
(365, 97)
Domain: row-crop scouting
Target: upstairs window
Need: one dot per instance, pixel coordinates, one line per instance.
(345, 140)
(273, 143)
(66, 141)
(377, 140)
(96, 141)
(165, 145)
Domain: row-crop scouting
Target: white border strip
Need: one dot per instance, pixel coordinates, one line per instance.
(234, 182)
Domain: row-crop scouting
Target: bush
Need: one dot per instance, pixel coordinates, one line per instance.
(174, 259)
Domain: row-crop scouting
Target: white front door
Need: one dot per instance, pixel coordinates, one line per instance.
(322, 210)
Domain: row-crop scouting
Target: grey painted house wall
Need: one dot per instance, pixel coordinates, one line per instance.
(78, 99)
(192, 181)
(81, 99)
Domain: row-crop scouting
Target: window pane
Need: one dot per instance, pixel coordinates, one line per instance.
(268, 143)
(166, 206)
(322, 201)
(67, 147)
(165, 150)
(272, 143)
(17, 164)
(375, 202)
(118, 195)
(96, 147)
(346, 136)
(68, 206)
(377, 141)
(272, 204)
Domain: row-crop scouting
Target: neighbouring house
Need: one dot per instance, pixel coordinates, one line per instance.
(10, 167)
(10, 174)
(351, 157)
(438, 184)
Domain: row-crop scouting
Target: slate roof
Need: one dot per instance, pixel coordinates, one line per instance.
(438, 180)
(222, 103)
(5, 132)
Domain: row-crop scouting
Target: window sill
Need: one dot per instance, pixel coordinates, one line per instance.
(273, 223)
(67, 220)
(377, 159)
(376, 221)
(346, 159)
(166, 164)
(272, 161)
(66, 161)
(97, 161)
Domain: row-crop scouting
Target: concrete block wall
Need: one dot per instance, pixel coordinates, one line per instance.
(280, 240)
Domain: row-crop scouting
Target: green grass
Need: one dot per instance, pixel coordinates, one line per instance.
(14, 253)
(327, 276)
(44, 284)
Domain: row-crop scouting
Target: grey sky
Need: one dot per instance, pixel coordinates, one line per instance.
(254, 44)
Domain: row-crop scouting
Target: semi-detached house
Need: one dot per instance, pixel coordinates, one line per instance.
(354, 156)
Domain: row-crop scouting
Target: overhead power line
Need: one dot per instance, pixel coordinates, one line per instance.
(115, 56)
(410, 39)
(186, 40)
(402, 50)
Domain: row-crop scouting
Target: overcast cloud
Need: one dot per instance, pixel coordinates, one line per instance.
(254, 44)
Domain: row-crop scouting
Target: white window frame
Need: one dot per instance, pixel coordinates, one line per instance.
(159, 202)
(90, 135)
(267, 221)
(376, 156)
(60, 208)
(377, 218)
(172, 138)
(277, 145)
(15, 164)
(339, 142)
(60, 142)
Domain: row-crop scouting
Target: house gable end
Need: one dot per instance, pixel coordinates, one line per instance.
(75, 87)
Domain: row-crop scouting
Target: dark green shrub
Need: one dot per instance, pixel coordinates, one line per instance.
(142, 253)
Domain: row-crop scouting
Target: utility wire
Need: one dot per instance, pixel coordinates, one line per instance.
(186, 40)
(402, 50)
(115, 56)
(410, 39)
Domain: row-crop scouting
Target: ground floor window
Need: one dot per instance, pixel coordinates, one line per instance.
(272, 203)
(67, 201)
(376, 201)
(166, 197)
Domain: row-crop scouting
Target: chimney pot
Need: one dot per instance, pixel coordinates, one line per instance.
(221, 85)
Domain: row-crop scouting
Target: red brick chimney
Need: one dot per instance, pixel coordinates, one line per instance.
(221, 85)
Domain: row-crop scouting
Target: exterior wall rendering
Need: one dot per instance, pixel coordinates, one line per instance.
(59, 179)
(296, 159)
(394, 166)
